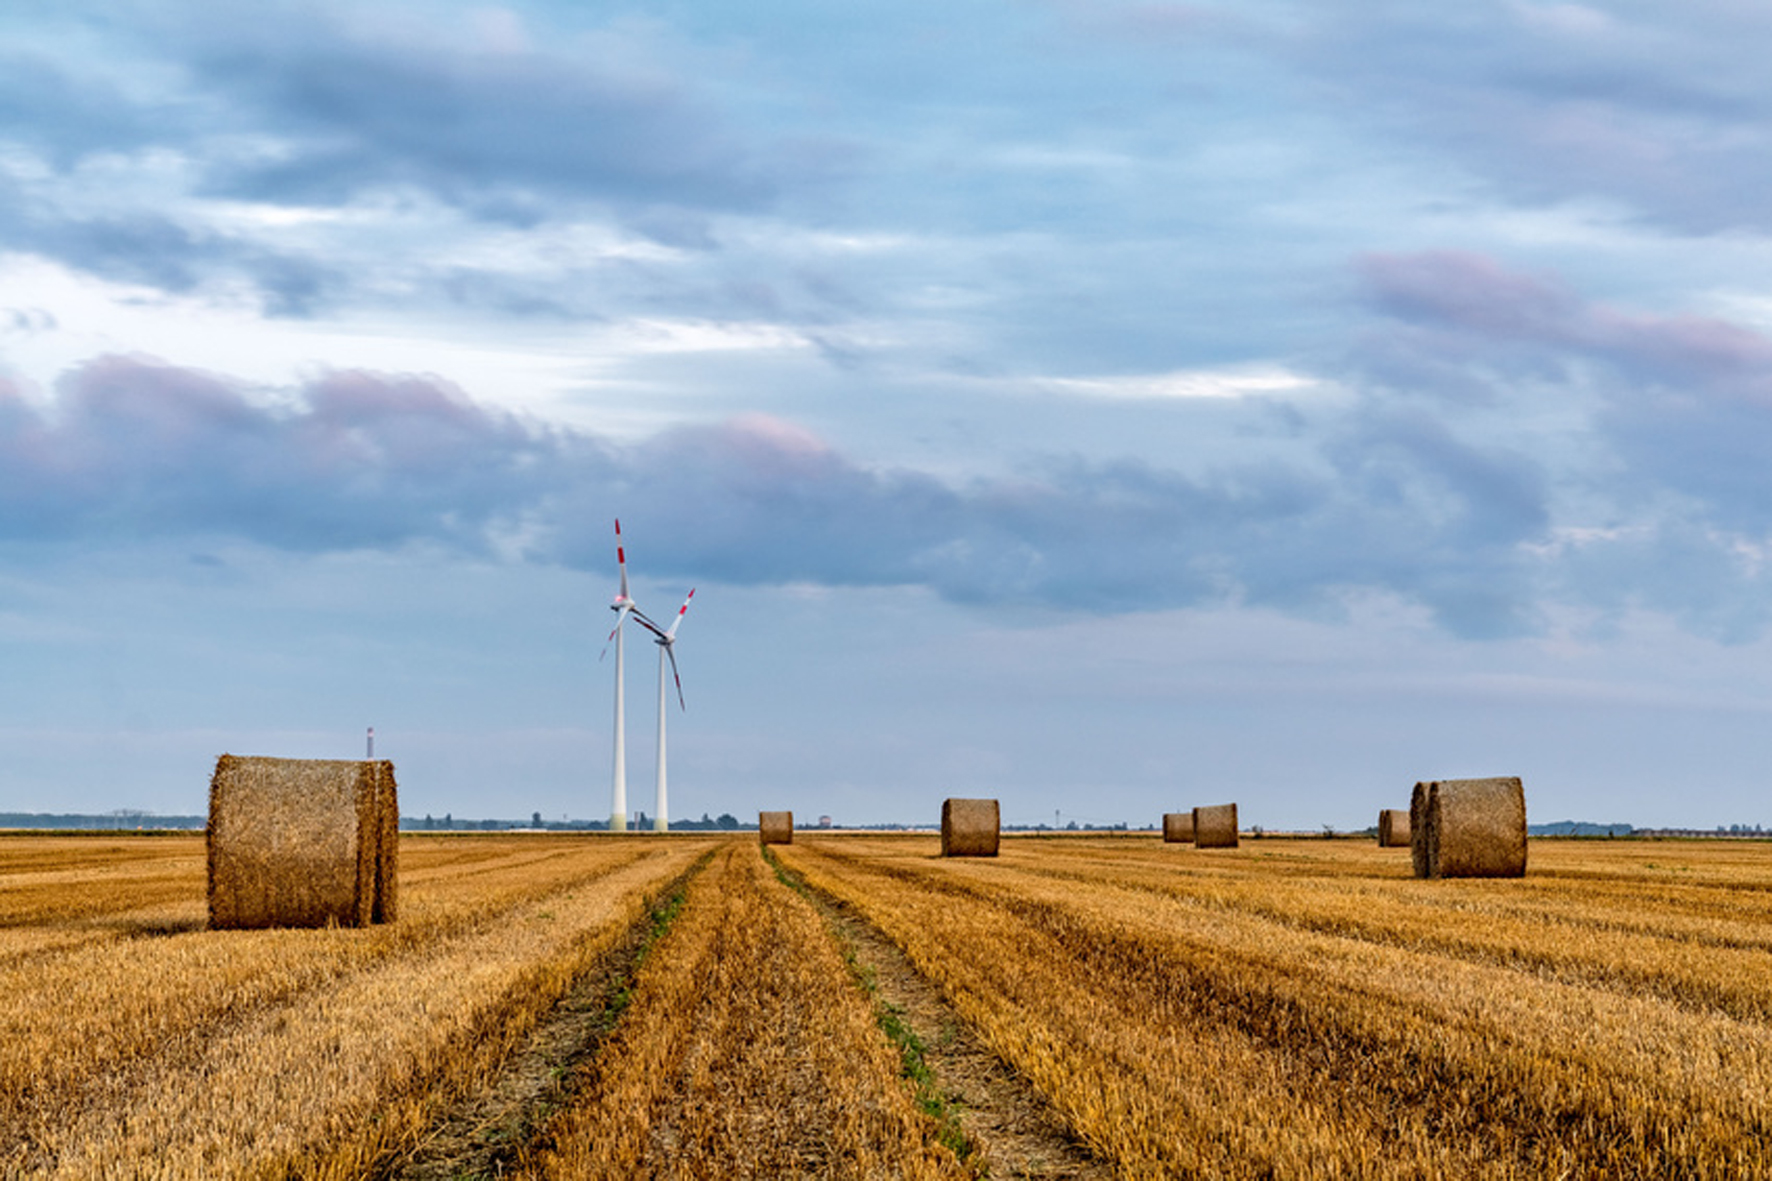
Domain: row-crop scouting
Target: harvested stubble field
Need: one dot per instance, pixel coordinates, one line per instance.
(860, 1007)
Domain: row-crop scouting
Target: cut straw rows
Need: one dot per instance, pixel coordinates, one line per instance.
(1705, 950)
(158, 1048)
(746, 1052)
(375, 1044)
(1309, 1054)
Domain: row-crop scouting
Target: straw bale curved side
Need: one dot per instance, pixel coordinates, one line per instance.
(1215, 827)
(302, 843)
(775, 828)
(969, 828)
(1472, 828)
(1393, 828)
(1178, 828)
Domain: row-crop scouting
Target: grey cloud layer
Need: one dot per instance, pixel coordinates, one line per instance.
(1676, 511)
(370, 461)
(138, 448)
(1406, 488)
(1071, 201)
(1656, 109)
(508, 133)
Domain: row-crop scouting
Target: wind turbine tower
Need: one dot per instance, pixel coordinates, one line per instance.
(667, 647)
(623, 606)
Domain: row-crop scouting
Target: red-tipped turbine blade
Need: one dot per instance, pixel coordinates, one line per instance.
(682, 611)
(621, 559)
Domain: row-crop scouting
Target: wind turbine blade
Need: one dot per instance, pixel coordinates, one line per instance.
(681, 612)
(621, 559)
(671, 651)
(622, 613)
(646, 623)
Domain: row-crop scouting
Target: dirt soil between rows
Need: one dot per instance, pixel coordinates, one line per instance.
(1013, 1130)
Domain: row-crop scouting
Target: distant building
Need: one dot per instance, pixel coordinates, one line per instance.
(824, 822)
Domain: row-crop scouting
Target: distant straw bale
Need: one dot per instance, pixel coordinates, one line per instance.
(1468, 828)
(302, 843)
(1178, 827)
(1215, 827)
(775, 828)
(969, 828)
(1393, 828)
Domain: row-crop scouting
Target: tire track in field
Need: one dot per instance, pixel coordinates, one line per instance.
(484, 1132)
(1009, 1127)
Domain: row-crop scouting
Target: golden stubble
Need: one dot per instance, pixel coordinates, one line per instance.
(1186, 1020)
(205, 1053)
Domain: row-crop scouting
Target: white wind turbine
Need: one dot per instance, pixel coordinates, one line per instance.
(623, 606)
(667, 647)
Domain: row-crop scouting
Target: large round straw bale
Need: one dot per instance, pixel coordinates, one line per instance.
(1178, 827)
(1215, 827)
(1393, 828)
(969, 828)
(302, 843)
(1469, 828)
(775, 828)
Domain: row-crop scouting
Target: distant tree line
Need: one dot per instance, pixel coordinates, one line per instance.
(448, 822)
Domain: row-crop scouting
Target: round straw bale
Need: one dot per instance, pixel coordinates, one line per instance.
(969, 828)
(302, 843)
(775, 828)
(1178, 827)
(1469, 828)
(1215, 827)
(1393, 828)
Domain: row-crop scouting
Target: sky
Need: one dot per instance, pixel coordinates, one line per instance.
(1108, 406)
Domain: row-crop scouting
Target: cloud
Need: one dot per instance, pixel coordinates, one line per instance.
(65, 113)
(1640, 440)
(510, 131)
(134, 447)
(163, 252)
(1655, 111)
(358, 460)
(1686, 400)
(1678, 441)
